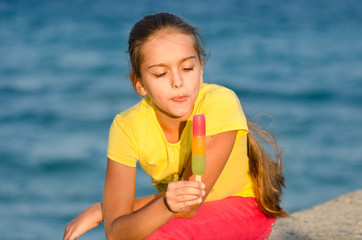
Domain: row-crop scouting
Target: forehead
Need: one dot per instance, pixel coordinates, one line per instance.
(168, 46)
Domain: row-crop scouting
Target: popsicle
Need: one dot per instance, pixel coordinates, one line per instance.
(198, 145)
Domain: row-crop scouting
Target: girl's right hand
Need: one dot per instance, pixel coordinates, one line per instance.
(88, 219)
(183, 194)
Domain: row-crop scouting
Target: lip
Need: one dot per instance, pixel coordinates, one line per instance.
(179, 99)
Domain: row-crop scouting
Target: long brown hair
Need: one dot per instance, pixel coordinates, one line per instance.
(265, 171)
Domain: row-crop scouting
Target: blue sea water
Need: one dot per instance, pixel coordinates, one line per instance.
(63, 77)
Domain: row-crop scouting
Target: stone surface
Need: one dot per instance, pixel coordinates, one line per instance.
(339, 218)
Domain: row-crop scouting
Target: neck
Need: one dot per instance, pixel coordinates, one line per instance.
(172, 127)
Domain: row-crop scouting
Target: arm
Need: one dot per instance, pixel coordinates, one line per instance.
(120, 222)
(92, 216)
(85, 221)
(218, 150)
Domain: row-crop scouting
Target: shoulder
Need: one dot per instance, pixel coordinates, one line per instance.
(134, 120)
(137, 110)
(213, 94)
(222, 109)
(214, 89)
(126, 133)
(136, 113)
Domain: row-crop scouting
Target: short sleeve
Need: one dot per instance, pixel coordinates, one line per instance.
(122, 143)
(223, 112)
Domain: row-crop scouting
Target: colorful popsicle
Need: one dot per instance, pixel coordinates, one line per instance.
(198, 145)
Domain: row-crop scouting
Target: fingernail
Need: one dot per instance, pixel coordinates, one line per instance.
(199, 200)
(202, 185)
(203, 193)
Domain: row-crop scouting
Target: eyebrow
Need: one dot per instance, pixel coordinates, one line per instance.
(164, 65)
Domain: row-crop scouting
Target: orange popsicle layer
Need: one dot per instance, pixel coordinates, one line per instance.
(198, 145)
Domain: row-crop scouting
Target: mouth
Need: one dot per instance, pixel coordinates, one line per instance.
(179, 99)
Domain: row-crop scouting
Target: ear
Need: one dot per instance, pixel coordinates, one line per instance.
(137, 84)
(140, 89)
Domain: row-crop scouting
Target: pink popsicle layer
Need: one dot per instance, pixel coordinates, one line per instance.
(198, 125)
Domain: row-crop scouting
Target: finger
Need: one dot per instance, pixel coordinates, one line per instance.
(185, 191)
(193, 202)
(187, 204)
(185, 185)
(66, 233)
(186, 198)
(179, 207)
(180, 201)
(193, 184)
(184, 194)
(70, 234)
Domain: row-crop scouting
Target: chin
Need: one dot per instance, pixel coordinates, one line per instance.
(179, 114)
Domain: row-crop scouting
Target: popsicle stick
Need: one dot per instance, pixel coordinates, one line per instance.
(198, 178)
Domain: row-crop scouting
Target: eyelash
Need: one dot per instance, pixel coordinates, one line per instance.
(160, 75)
(163, 74)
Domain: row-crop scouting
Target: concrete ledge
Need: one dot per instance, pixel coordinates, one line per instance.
(339, 218)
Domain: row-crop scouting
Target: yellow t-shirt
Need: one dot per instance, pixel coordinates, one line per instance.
(135, 135)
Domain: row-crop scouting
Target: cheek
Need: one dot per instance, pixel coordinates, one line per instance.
(199, 73)
(197, 77)
(156, 92)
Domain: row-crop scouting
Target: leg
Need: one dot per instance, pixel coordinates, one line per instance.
(230, 218)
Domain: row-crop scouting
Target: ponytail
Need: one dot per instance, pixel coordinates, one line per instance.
(266, 171)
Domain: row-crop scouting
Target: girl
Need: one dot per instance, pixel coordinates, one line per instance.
(240, 194)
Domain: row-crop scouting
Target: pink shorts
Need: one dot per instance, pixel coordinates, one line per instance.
(230, 218)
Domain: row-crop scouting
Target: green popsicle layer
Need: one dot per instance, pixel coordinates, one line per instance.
(198, 164)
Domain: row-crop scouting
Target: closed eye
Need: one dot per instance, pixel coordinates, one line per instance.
(188, 69)
(160, 75)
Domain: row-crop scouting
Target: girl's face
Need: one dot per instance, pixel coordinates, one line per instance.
(171, 74)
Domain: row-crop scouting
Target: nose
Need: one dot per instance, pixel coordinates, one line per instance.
(177, 81)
